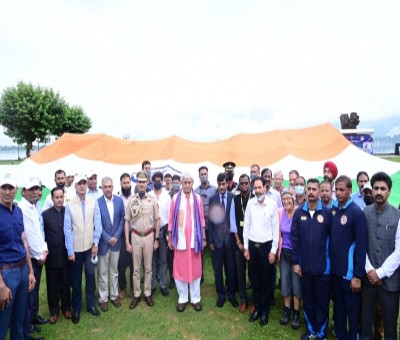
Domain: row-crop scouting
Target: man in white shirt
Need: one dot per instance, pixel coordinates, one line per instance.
(261, 237)
(37, 248)
(160, 255)
(93, 190)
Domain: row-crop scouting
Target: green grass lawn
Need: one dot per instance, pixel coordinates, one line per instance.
(162, 320)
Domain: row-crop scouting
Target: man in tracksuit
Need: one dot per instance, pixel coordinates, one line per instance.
(348, 248)
(310, 239)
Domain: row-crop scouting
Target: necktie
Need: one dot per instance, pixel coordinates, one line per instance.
(223, 202)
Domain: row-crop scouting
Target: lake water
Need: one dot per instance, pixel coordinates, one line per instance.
(379, 147)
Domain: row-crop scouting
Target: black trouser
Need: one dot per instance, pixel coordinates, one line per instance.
(32, 304)
(224, 257)
(261, 275)
(241, 264)
(58, 288)
(389, 302)
(125, 260)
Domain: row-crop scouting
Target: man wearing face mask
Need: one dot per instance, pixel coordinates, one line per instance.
(176, 185)
(160, 255)
(260, 241)
(125, 258)
(299, 190)
(205, 190)
(254, 172)
(230, 173)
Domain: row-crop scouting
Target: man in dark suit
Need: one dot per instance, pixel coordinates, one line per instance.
(57, 267)
(112, 219)
(221, 241)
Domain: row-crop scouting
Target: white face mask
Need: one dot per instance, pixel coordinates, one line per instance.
(299, 190)
(260, 198)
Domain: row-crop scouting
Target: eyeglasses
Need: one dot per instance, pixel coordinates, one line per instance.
(244, 183)
(141, 182)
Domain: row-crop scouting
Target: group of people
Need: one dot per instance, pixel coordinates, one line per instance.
(328, 244)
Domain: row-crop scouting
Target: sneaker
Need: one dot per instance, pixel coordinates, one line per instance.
(296, 320)
(307, 336)
(285, 316)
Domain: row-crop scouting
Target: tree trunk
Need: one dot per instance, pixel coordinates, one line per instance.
(28, 149)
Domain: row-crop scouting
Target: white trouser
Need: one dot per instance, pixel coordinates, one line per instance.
(108, 264)
(183, 291)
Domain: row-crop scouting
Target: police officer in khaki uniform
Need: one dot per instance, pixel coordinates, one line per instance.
(143, 213)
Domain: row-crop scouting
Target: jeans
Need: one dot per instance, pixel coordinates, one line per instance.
(16, 280)
(161, 256)
(82, 258)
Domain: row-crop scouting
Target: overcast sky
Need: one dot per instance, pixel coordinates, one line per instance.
(206, 70)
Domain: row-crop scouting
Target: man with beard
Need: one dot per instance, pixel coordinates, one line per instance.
(382, 263)
(311, 227)
(269, 190)
(330, 171)
(230, 173)
(57, 268)
(125, 258)
(240, 202)
(59, 179)
(260, 242)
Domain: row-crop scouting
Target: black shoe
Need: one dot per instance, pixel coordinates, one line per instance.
(220, 303)
(94, 311)
(75, 317)
(153, 290)
(39, 320)
(164, 291)
(34, 329)
(296, 320)
(285, 317)
(171, 283)
(263, 319)
(180, 307)
(149, 301)
(307, 336)
(234, 302)
(255, 316)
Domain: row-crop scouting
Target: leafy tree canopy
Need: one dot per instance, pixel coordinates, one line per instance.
(29, 113)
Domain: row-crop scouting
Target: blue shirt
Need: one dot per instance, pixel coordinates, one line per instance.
(358, 199)
(310, 239)
(11, 228)
(348, 246)
(69, 234)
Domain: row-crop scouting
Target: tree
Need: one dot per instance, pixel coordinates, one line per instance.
(30, 114)
(74, 121)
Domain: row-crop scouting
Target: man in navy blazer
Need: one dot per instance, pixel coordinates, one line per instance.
(221, 240)
(112, 218)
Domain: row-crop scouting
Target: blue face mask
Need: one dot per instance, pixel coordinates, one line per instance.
(175, 187)
(157, 185)
(299, 190)
(253, 176)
